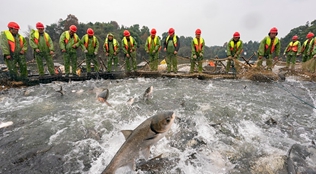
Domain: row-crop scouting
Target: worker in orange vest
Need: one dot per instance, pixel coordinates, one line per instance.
(269, 47)
(172, 46)
(43, 47)
(152, 48)
(111, 47)
(13, 47)
(234, 49)
(69, 41)
(129, 49)
(90, 46)
(292, 51)
(197, 51)
(305, 47)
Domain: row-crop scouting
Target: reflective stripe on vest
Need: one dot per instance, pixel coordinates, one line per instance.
(76, 38)
(11, 40)
(174, 40)
(293, 46)
(198, 44)
(36, 37)
(86, 41)
(305, 45)
(115, 44)
(150, 39)
(131, 40)
(268, 43)
(232, 45)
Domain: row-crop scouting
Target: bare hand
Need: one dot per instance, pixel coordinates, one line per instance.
(37, 50)
(107, 54)
(8, 57)
(276, 58)
(127, 55)
(22, 52)
(175, 52)
(194, 56)
(164, 49)
(113, 53)
(63, 50)
(51, 52)
(74, 46)
(260, 57)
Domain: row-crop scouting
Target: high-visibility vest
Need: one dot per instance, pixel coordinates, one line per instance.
(86, 41)
(131, 40)
(174, 40)
(268, 43)
(115, 44)
(76, 38)
(36, 37)
(11, 40)
(305, 45)
(198, 44)
(293, 46)
(313, 43)
(150, 41)
(232, 45)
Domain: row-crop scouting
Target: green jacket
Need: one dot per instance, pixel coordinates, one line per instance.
(194, 50)
(92, 44)
(305, 47)
(234, 49)
(109, 46)
(265, 48)
(68, 46)
(289, 51)
(45, 43)
(312, 47)
(6, 47)
(127, 46)
(152, 44)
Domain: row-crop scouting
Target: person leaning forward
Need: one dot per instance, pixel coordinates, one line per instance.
(197, 51)
(90, 45)
(13, 47)
(69, 42)
(234, 49)
(268, 47)
(171, 46)
(129, 48)
(43, 47)
(111, 48)
(305, 47)
(152, 48)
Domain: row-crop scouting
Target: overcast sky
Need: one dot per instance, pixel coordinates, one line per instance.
(218, 19)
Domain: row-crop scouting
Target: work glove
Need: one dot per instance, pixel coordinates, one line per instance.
(147, 52)
(230, 57)
(276, 58)
(95, 53)
(154, 51)
(63, 50)
(164, 49)
(114, 53)
(175, 52)
(22, 52)
(107, 54)
(201, 54)
(127, 55)
(51, 52)
(260, 57)
(85, 51)
(8, 57)
(283, 54)
(194, 56)
(37, 50)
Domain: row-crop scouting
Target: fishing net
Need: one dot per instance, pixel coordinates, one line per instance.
(260, 75)
(310, 65)
(240, 67)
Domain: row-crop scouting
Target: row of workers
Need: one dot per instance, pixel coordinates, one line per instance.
(14, 47)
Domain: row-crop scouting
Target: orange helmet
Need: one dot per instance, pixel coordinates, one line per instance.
(295, 37)
(153, 31)
(198, 31)
(90, 32)
(310, 35)
(73, 28)
(39, 25)
(274, 30)
(236, 34)
(126, 33)
(171, 31)
(13, 25)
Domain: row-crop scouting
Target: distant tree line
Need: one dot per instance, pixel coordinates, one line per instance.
(101, 29)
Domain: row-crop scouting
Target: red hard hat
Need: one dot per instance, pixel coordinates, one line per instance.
(236, 34)
(73, 28)
(274, 30)
(90, 32)
(171, 31)
(295, 37)
(310, 35)
(126, 33)
(39, 25)
(198, 31)
(13, 25)
(153, 31)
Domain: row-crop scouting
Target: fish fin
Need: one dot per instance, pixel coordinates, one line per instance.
(108, 103)
(146, 152)
(126, 133)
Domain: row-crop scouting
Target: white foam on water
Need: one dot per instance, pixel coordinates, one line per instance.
(53, 138)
